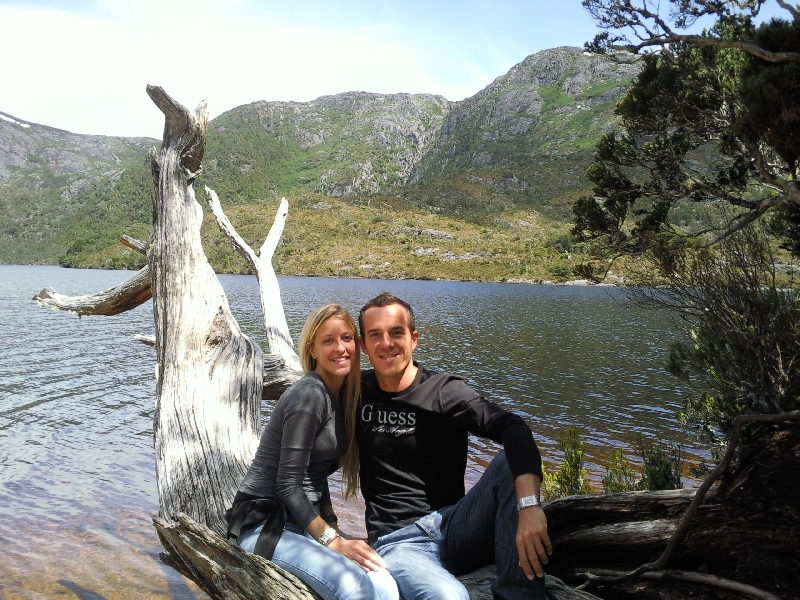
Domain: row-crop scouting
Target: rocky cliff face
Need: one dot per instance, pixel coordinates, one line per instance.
(514, 113)
(49, 177)
(555, 102)
(527, 136)
(28, 147)
(342, 145)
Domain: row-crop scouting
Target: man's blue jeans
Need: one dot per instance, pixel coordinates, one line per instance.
(331, 575)
(479, 530)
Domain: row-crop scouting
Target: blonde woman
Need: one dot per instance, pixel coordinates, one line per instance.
(283, 509)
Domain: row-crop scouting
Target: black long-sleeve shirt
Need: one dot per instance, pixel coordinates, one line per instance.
(413, 445)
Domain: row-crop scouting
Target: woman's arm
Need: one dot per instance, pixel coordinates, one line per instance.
(303, 417)
(301, 422)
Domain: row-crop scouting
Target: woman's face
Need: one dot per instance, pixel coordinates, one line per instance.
(333, 348)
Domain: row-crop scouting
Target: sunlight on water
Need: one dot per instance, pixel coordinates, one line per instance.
(77, 402)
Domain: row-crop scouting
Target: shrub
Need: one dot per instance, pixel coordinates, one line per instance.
(619, 475)
(661, 467)
(570, 480)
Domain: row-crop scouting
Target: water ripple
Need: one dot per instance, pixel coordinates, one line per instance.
(77, 404)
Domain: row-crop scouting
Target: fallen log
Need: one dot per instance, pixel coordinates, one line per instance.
(226, 572)
(743, 542)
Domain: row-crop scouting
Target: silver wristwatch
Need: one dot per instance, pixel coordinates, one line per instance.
(328, 536)
(527, 501)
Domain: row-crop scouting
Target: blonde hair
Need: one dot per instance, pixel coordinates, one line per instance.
(348, 394)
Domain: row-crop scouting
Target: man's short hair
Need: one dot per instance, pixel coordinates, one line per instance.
(387, 299)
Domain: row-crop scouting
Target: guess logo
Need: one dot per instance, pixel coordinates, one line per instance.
(379, 420)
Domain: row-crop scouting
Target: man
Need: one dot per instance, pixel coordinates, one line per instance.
(412, 428)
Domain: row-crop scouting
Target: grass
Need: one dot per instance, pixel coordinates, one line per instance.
(376, 237)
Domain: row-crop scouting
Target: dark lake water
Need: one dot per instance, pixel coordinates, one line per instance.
(77, 402)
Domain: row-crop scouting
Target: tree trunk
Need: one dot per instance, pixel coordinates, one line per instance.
(209, 379)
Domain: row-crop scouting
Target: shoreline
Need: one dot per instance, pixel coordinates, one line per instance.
(512, 280)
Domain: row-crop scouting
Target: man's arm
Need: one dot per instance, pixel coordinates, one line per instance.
(487, 419)
(533, 543)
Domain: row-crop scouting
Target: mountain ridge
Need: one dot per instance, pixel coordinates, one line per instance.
(516, 149)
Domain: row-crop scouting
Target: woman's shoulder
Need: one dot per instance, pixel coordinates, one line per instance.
(308, 390)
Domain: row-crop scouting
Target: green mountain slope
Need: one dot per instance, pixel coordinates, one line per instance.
(344, 145)
(526, 139)
(58, 188)
(505, 165)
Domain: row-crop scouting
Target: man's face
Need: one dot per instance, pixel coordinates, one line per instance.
(387, 340)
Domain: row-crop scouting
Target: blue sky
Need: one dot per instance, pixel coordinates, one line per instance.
(82, 65)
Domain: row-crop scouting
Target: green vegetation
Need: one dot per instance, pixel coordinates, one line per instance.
(570, 480)
(500, 182)
(741, 348)
(387, 238)
(661, 469)
(706, 121)
(619, 475)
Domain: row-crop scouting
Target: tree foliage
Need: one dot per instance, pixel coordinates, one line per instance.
(570, 480)
(711, 118)
(742, 349)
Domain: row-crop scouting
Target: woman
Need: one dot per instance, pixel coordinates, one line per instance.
(283, 509)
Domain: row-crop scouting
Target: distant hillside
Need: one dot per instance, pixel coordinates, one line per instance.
(523, 141)
(344, 145)
(57, 188)
(515, 150)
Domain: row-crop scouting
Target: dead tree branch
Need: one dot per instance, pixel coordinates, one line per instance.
(129, 294)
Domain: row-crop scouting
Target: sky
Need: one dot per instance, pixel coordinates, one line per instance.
(82, 65)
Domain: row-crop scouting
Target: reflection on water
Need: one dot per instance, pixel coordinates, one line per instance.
(76, 406)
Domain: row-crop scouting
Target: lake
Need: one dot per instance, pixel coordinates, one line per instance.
(77, 401)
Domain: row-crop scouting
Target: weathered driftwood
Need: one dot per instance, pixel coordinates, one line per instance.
(123, 297)
(278, 337)
(282, 366)
(225, 572)
(222, 570)
(208, 386)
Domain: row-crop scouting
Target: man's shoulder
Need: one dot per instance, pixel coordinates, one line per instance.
(427, 384)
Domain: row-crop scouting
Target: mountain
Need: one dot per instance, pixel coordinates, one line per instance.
(526, 139)
(345, 145)
(514, 150)
(523, 141)
(53, 181)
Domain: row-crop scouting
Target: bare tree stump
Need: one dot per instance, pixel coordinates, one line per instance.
(209, 380)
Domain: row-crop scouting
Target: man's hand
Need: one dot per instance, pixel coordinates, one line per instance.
(533, 544)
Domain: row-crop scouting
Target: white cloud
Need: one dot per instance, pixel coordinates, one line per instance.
(86, 71)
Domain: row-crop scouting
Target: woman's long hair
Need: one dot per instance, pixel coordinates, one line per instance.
(348, 394)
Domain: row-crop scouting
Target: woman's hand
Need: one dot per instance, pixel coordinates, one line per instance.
(359, 552)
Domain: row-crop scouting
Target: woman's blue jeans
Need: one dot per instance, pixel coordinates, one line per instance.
(331, 575)
(479, 530)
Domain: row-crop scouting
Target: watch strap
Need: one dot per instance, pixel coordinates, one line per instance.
(527, 501)
(328, 536)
